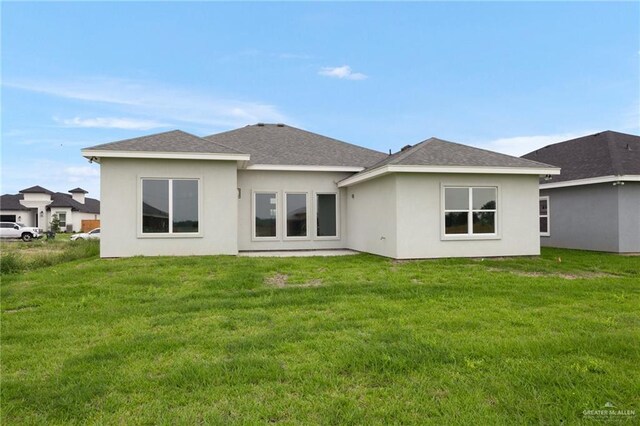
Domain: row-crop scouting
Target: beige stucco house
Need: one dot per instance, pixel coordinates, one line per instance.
(276, 187)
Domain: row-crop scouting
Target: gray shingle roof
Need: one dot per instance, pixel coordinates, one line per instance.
(172, 141)
(36, 190)
(603, 154)
(436, 152)
(12, 202)
(285, 145)
(59, 199)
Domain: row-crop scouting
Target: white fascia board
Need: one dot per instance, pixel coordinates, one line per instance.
(296, 168)
(362, 177)
(97, 154)
(591, 181)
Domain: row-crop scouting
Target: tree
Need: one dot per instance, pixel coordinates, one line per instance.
(55, 223)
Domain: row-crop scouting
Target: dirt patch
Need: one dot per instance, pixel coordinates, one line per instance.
(282, 280)
(311, 283)
(277, 280)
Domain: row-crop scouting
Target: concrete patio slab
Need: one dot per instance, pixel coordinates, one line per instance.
(297, 253)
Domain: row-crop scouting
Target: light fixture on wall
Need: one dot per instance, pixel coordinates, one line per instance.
(19, 218)
(41, 214)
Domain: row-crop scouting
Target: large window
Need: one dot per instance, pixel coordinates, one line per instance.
(544, 217)
(296, 207)
(326, 215)
(170, 206)
(266, 213)
(470, 211)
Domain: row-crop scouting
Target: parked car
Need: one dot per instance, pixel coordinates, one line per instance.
(19, 231)
(94, 234)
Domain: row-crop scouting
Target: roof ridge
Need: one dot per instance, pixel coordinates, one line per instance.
(294, 128)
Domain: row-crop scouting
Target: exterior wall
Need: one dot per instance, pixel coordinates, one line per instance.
(69, 219)
(281, 182)
(35, 199)
(78, 217)
(629, 217)
(121, 208)
(372, 216)
(26, 217)
(583, 217)
(419, 216)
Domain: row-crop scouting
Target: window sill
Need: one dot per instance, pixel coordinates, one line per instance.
(545, 235)
(469, 237)
(333, 238)
(163, 236)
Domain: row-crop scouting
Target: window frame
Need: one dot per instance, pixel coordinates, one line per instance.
(170, 234)
(548, 216)
(285, 218)
(61, 224)
(315, 216)
(469, 235)
(253, 215)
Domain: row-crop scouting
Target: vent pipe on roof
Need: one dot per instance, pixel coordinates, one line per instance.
(280, 124)
(404, 148)
(260, 124)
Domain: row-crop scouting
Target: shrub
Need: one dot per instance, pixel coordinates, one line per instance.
(10, 263)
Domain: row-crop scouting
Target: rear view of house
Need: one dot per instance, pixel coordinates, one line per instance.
(594, 204)
(276, 187)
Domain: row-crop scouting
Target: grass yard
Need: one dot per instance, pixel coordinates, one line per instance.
(344, 340)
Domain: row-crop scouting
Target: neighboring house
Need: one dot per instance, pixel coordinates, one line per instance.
(276, 187)
(36, 206)
(594, 204)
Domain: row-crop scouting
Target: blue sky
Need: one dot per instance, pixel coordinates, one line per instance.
(504, 76)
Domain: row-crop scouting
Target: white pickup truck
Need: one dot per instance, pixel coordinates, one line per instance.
(19, 231)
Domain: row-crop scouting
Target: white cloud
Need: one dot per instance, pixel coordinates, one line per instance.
(520, 145)
(111, 123)
(343, 72)
(157, 101)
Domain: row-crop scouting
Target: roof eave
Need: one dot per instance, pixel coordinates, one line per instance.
(304, 168)
(95, 155)
(387, 169)
(591, 181)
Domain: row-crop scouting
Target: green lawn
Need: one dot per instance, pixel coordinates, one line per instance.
(345, 340)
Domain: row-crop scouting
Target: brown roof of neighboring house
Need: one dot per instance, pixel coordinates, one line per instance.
(606, 153)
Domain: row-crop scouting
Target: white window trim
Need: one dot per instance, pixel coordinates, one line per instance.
(470, 236)
(548, 216)
(253, 215)
(315, 216)
(170, 234)
(285, 219)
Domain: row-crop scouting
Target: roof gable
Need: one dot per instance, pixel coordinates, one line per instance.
(279, 144)
(606, 153)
